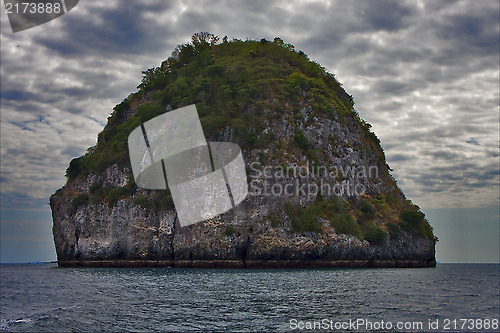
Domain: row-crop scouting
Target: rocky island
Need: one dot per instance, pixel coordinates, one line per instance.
(320, 191)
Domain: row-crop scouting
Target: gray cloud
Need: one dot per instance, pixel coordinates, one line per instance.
(473, 141)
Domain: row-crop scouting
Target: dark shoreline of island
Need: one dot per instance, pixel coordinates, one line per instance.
(250, 263)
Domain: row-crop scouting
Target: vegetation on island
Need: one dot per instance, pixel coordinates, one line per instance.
(240, 84)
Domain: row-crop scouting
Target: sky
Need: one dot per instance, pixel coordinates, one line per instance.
(425, 74)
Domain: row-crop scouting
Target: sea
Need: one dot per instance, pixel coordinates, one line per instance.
(447, 298)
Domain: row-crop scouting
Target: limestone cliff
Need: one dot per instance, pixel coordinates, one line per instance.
(320, 190)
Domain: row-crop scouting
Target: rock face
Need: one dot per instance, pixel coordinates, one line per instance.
(320, 190)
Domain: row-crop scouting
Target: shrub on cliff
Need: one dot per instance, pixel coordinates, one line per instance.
(80, 200)
(415, 222)
(303, 219)
(374, 234)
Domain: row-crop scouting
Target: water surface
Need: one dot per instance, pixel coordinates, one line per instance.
(45, 297)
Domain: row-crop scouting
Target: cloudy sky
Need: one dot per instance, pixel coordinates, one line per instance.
(425, 74)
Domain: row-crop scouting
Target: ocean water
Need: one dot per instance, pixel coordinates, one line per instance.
(450, 297)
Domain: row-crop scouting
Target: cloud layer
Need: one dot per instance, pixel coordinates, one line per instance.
(424, 74)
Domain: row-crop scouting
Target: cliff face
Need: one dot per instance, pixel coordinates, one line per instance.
(320, 192)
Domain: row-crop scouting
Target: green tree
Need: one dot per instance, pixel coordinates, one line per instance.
(201, 38)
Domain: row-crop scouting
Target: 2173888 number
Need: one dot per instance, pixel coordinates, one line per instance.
(470, 324)
(33, 8)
